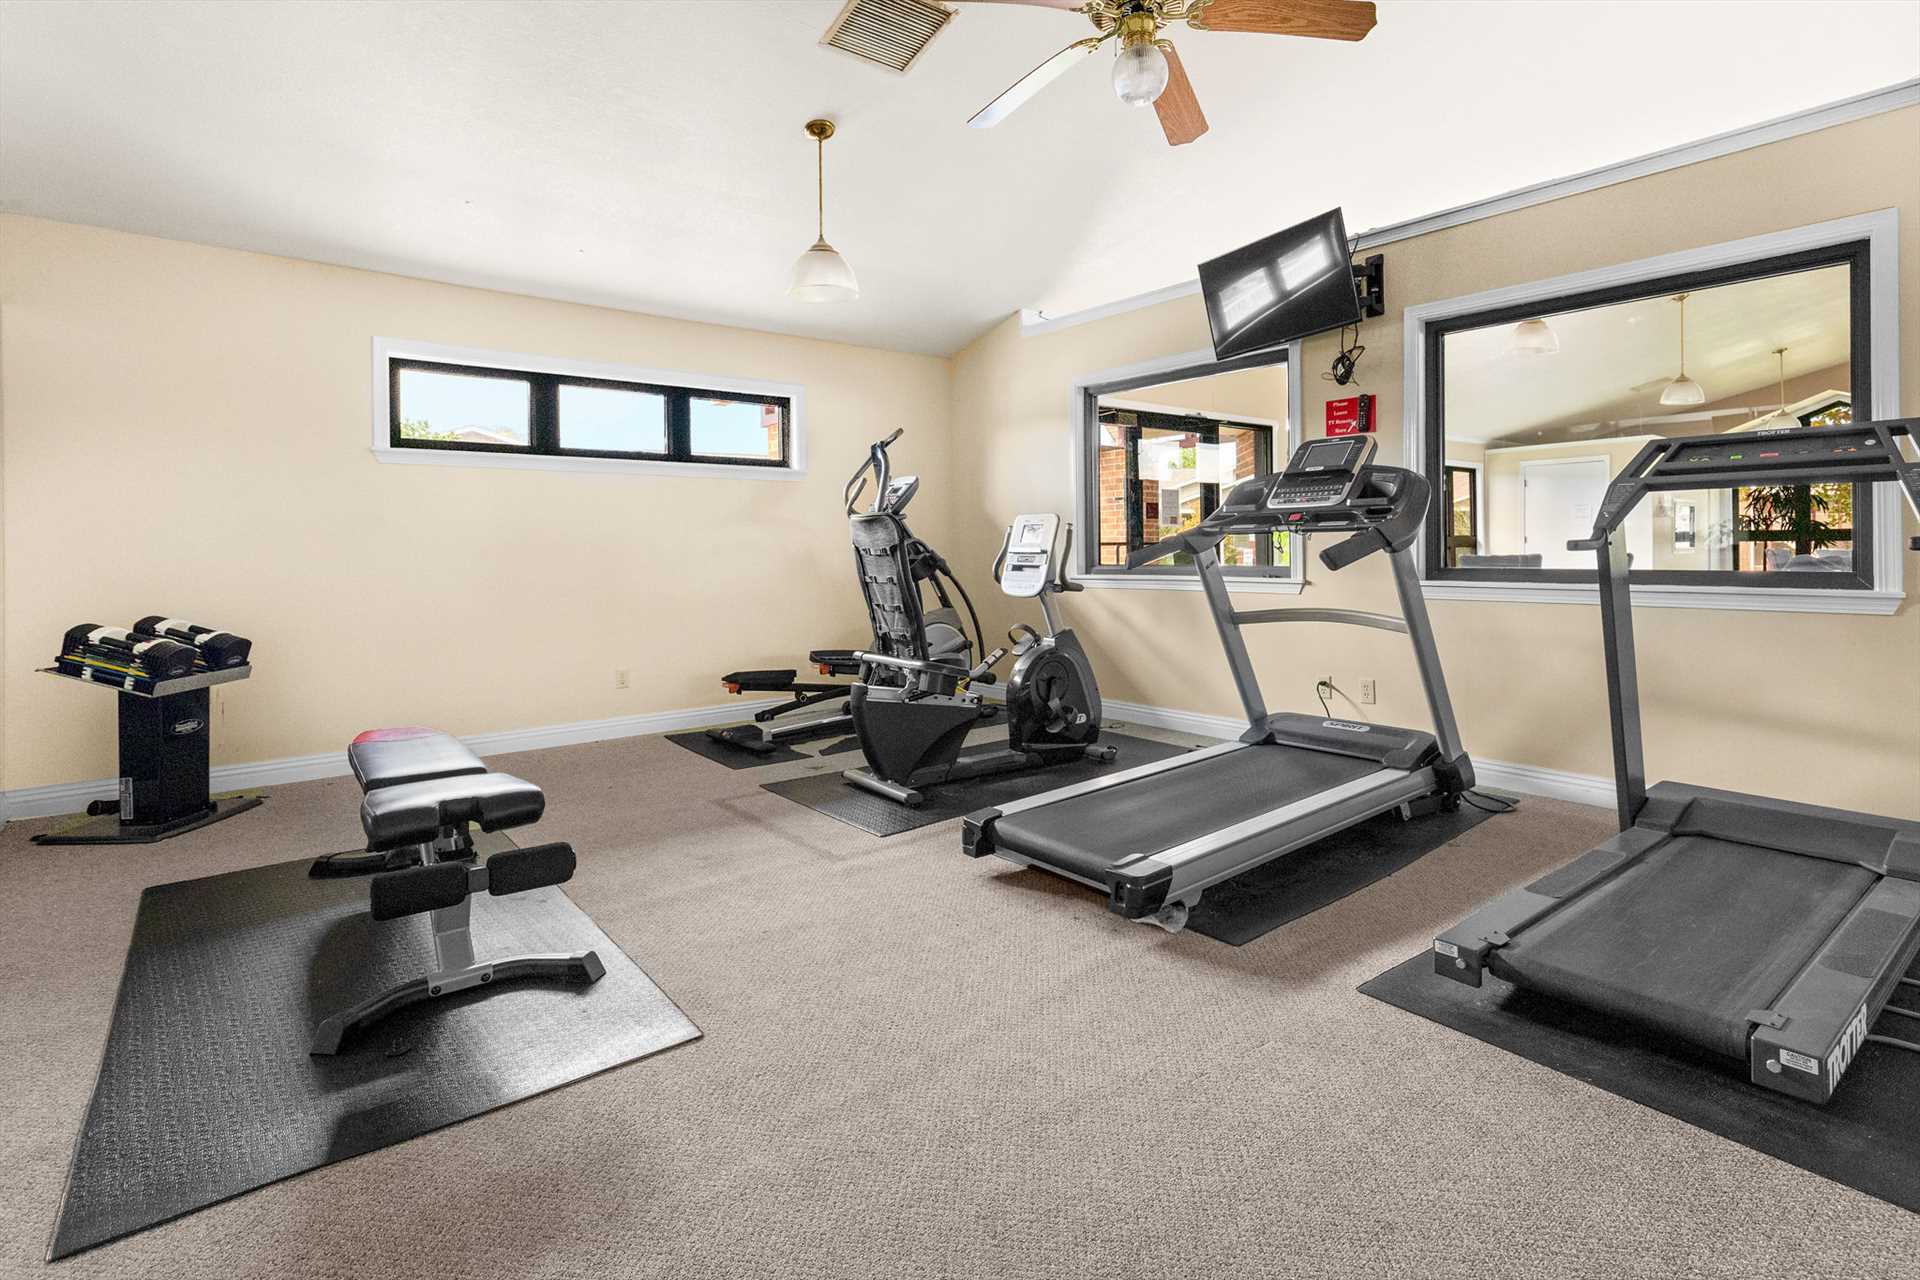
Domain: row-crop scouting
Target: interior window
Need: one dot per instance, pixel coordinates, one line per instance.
(1540, 410)
(1167, 453)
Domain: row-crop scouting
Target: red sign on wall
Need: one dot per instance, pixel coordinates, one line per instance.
(1351, 416)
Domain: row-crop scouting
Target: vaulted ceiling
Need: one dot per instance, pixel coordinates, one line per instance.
(650, 155)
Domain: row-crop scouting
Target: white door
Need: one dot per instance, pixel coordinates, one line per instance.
(1557, 502)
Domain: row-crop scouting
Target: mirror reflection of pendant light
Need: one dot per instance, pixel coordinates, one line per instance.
(1683, 390)
(1534, 338)
(821, 274)
(1780, 417)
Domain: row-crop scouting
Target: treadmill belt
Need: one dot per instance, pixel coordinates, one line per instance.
(1088, 835)
(1867, 1138)
(1690, 938)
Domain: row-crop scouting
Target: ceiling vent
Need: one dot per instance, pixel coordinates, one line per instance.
(887, 33)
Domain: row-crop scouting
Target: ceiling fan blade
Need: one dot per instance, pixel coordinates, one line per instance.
(1031, 83)
(1178, 109)
(1326, 19)
(1037, 4)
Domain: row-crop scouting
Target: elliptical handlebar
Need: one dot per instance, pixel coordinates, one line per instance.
(882, 468)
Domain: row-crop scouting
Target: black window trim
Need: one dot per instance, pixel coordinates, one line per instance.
(544, 420)
(1854, 254)
(1280, 446)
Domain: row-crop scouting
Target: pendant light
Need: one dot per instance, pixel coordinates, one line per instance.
(821, 274)
(1683, 390)
(1780, 417)
(1534, 338)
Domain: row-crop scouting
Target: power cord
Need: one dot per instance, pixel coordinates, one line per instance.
(1474, 797)
(1324, 689)
(1350, 352)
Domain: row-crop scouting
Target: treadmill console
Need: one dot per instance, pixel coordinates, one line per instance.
(1321, 473)
(1026, 567)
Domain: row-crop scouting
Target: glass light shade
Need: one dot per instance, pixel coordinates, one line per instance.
(1140, 74)
(822, 275)
(1683, 390)
(1534, 338)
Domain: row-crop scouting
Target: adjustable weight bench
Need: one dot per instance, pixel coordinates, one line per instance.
(390, 758)
(428, 822)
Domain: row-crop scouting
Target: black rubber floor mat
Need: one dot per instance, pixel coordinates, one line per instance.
(829, 793)
(206, 1089)
(739, 758)
(1867, 1138)
(1255, 904)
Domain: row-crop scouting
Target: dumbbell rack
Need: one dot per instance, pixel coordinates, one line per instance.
(164, 768)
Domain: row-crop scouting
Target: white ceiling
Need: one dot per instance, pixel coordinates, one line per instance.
(1495, 393)
(650, 155)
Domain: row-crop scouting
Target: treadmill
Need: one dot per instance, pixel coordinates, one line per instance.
(1766, 931)
(1153, 838)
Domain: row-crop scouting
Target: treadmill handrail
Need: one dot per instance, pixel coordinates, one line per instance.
(1625, 492)
(1642, 475)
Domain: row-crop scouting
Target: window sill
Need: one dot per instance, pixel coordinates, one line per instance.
(550, 462)
(1749, 599)
(1167, 582)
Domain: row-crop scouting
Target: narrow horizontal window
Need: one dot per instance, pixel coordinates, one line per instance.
(474, 409)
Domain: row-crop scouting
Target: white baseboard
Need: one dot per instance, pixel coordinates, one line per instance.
(1527, 779)
(73, 797)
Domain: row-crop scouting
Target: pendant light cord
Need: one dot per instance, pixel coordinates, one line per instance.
(820, 188)
(1683, 335)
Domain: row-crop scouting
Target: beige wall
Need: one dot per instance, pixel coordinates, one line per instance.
(1816, 707)
(187, 431)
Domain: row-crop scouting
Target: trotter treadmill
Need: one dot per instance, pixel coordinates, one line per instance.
(1767, 931)
(1154, 837)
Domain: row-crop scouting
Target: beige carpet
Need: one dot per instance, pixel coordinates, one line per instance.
(917, 1065)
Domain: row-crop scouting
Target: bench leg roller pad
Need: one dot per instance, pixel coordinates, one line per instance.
(429, 888)
(518, 870)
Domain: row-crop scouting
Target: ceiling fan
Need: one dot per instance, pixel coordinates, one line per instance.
(1147, 67)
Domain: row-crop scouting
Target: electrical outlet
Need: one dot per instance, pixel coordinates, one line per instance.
(621, 677)
(1366, 693)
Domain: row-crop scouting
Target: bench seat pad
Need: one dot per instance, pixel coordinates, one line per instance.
(392, 757)
(414, 812)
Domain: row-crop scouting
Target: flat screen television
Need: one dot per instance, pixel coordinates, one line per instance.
(1281, 287)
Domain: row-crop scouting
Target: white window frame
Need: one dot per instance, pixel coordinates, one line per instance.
(1189, 364)
(1881, 230)
(385, 349)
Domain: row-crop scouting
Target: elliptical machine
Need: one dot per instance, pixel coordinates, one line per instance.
(947, 639)
(912, 710)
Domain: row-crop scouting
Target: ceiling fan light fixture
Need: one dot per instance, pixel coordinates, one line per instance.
(1140, 74)
(821, 274)
(1534, 338)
